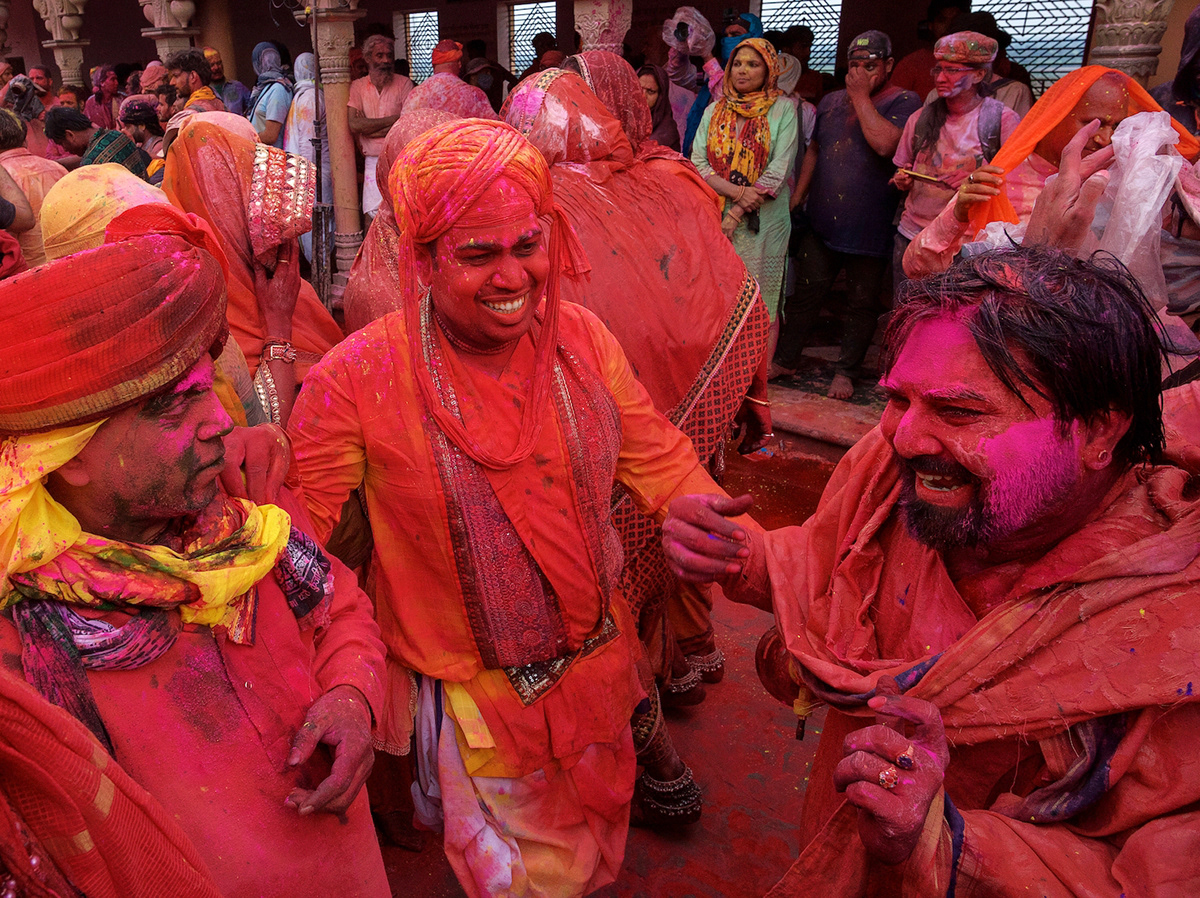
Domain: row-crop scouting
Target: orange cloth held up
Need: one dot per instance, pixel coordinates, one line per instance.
(1054, 106)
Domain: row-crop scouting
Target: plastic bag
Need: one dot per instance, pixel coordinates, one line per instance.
(1129, 220)
(689, 32)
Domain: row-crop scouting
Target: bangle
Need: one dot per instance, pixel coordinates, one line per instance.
(741, 193)
(765, 402)
(268, 396)
(278, 351)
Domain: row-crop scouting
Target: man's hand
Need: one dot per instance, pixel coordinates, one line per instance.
(340, 718)
(890, 820)
(1063, 213)
(858, 85)
(278, 290)
(981, 185)
(701, 544)
(256, 463)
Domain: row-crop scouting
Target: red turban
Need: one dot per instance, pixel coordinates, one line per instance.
(446, 51)
(439, 176)
(92, 333)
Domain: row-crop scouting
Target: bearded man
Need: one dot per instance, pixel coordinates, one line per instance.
(487, 421)
(205, 641)
(1001, 574)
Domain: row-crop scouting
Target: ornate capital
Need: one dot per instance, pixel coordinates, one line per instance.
(63, 18)
(1128, 35)
(335, 37)
(602, 23)
(168, 14)
(69, 56)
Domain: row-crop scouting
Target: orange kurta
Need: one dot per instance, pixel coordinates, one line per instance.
(360, 419)
(1084, 669)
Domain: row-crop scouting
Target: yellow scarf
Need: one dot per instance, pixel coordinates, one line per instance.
(45, 549)
(741, 158)
(199, 96)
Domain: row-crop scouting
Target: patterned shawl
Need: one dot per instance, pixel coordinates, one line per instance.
(741, 158)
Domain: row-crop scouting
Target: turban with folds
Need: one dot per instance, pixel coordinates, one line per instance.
(439, 177)
(446, 51)
(86, 336)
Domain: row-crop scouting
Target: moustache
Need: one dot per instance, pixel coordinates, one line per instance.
(937, 467)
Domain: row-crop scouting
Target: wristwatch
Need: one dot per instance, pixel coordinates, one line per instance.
(279, 351)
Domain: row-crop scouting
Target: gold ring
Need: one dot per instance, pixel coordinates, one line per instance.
(889, 776)
(907, 759)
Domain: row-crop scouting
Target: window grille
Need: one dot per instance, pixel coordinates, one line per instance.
(1049, 37)
(421, 34)
(822, 16)
(524, 21)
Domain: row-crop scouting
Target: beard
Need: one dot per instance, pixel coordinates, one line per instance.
(1012, 499)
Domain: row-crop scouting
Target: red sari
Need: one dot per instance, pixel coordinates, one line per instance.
(664, 280)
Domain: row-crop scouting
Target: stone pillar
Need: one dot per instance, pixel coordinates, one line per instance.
(1128, 35)
(64, 21)
(171, 22)
(4, 8)
(602, 23)
(335, 37)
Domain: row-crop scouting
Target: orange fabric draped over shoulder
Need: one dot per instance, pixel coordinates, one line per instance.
(1055, 105)
(253, 196)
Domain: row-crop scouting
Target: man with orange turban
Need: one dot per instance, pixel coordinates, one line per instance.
(208, 644)
(487, 421)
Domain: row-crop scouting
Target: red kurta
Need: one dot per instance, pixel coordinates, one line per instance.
(207, 727)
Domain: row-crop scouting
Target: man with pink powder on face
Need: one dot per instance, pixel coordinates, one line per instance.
(995, 597)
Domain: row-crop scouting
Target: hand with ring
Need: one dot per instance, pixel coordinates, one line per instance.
(893, 778)
(978, 187)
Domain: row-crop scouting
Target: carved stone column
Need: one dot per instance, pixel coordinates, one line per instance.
(602, 23)
(335, 36)
(1128, 35)
(64, 21)
(171, 21)
(4, 6)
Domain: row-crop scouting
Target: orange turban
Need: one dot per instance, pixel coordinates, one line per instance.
(110, 326)
(1057, 103)
(446, 51)
(438, 177)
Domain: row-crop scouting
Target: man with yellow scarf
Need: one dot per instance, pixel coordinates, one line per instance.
(211, 648)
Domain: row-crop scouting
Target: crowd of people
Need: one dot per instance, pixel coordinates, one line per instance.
(438, 562)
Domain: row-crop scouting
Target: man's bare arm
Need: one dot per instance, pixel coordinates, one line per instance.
(23, 220)
(369, 127)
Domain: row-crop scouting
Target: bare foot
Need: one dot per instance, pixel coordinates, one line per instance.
(841, 388)
(777, 371)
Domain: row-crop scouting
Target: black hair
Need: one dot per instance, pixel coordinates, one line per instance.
(167, 92)
(61, 119)
(799, 34)
(190, 60)
(12, 130)
(475, 49)
(1080, 334)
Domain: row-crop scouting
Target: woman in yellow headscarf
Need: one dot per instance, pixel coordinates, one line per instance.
(747, 157)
